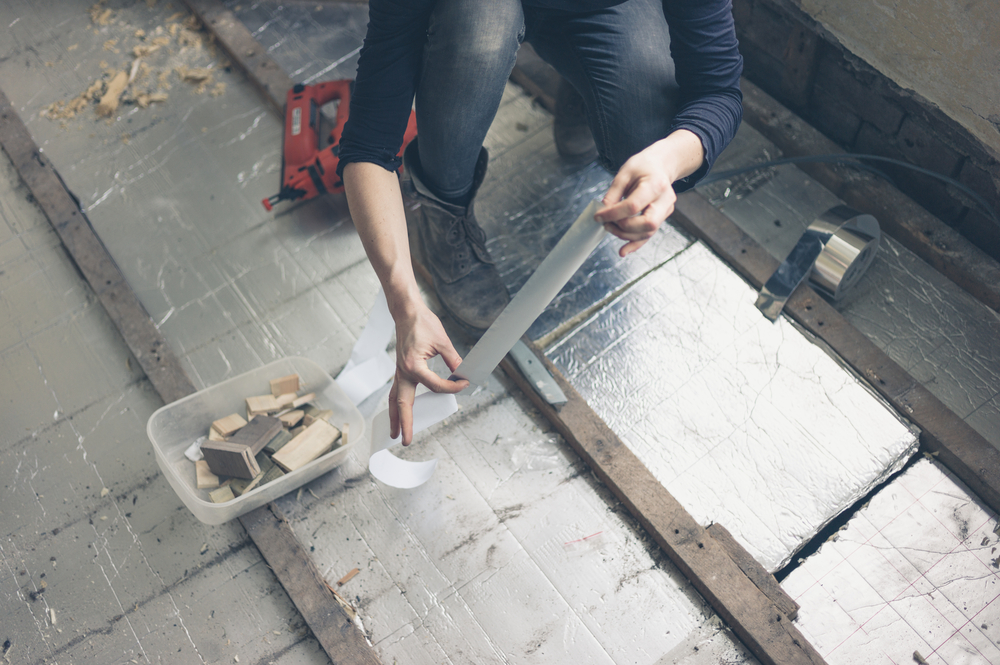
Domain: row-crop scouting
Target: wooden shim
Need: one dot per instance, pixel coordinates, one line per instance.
(261, 404)
(230, 460)
(257, 433)
(285, 385)
(285, 400)
(310, 416)
(204, 478)
(317, 439)
(899, 215)
(340, 638)
(337, 634)
(291, 418)
(302, 401)
(229, 424)
(960, 448)
(221, 495)
(213, 434)
(757, 573)
(760, 625)
(92, 258)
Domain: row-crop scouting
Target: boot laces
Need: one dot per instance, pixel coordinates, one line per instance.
(464, 228)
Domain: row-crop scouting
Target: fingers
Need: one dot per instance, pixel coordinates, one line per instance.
(403, 403)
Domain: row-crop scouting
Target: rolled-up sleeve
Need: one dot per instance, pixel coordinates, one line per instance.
(388, 68)
(708, 66)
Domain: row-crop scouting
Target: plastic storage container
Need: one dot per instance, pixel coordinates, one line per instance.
(174, 427)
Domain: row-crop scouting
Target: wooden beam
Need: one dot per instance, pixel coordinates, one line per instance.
(762, 627)
(342, 640)
(757, 573)
(900, 216)
(959, 447)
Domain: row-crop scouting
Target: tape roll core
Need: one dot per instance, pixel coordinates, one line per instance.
(834, 252)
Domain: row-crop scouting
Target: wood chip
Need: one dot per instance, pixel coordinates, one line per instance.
(262, 404)
(109, 102)
(204, 478)
(228, 425)
(222, 495)
(316, 440)
(347, 578)
(292, 418)
(305, 399)
(285, 384)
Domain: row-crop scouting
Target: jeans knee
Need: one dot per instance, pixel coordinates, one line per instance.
(476, 35)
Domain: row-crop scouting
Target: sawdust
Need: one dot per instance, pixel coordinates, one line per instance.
(109, 102)
(152, 56)
(144, 99)
(200, 76)
(100, 15)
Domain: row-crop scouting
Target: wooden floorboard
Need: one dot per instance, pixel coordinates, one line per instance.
(339, 636)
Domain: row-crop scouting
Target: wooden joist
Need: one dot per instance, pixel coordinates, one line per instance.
(763, 627)
(958, 446)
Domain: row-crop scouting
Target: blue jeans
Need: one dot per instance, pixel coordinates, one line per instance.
(618, 59)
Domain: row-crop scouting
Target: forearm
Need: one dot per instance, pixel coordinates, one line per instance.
(681, 152)
(377, 210)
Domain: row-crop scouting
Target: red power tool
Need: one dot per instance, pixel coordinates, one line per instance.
(307, 168)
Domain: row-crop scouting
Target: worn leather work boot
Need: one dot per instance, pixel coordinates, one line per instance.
(453, 249)
(572, 134)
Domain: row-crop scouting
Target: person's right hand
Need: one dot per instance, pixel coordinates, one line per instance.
(419, 337)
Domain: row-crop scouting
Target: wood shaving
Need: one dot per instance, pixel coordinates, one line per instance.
(146, 98)
(109, 102)
(110, 44)
(201, 76)
(99, 15)
(72, 47)
(140, 33)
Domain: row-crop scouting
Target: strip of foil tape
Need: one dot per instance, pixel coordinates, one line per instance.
(834, 252)
(429, 408)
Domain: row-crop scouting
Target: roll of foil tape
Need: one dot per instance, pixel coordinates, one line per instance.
(834, 252)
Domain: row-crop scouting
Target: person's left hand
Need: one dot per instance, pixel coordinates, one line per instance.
(642, 195)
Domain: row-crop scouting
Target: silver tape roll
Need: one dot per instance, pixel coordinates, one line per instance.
(834, 252)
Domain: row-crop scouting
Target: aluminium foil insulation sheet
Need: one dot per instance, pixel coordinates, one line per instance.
(746, 422)
(912, 573)
(927, 324)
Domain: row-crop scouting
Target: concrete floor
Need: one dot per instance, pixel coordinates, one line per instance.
(127, 574)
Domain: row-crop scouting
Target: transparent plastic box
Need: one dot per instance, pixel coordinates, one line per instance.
(174, 427)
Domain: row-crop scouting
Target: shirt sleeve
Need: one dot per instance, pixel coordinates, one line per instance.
(708, 66)
(388, 68)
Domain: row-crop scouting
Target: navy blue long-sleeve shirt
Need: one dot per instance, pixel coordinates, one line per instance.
(702, 43)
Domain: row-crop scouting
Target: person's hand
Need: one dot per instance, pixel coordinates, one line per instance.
(419, 337)
(642, 195)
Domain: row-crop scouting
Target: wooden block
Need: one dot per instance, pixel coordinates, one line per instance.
(295, 431)
(241, 486)
(285, 401)
(257, 433)
(204, 478)
(286, 384)
(261, 404)
(226, 426)
(316, 440)
(344, 434)
(305, 399)
(291, 418)
(273, 474)
(314, 413)
(279, 440)
(228, 459)
(221, 495)
(214, 436)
